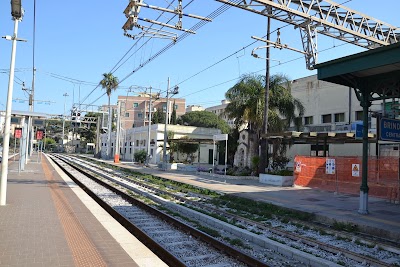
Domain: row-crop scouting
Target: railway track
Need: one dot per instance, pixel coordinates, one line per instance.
(174, 242)
(275, 233)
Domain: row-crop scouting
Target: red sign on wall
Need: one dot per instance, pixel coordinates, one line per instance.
(39, 134)
(18, 133)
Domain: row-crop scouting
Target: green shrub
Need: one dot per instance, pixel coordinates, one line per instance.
(140, 156)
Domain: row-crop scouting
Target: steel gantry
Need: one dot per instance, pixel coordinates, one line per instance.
(325, 17)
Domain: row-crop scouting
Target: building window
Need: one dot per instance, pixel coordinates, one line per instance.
(327, 118)
(308, 120)
(140, 115)
(176, 106)
(339, 117)
(137, 142)
(359, 115)
(135, 105)
(127, 115)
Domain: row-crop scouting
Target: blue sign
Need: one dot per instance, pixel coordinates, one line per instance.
(359, 131)
(389, 130)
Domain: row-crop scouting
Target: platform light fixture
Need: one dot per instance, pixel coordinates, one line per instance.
(16, 9)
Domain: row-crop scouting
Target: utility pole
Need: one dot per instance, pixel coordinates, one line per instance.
(174, 92)
(165, 133)
(16, 12)
(264, 140)
(148, 130)
(63, 133)
(117, 139)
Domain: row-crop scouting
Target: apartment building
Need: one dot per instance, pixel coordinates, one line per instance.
(135, 109)
(334, 108)
(219, 111)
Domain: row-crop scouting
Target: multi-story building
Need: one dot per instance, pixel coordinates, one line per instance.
(334, 108)
(219, 111)
(191, 108)
(135, 109)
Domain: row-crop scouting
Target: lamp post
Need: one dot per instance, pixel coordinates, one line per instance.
(16, 12)
(173, 92)
(63, 131)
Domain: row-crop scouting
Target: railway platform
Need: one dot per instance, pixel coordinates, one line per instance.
(49, 221)
(383, 219)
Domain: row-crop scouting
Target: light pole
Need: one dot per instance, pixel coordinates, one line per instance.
(117, 137)
(63, 133)
(174, 92)
(16, 12)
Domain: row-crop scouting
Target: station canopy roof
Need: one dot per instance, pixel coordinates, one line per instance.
(376, 72)
(312, 137)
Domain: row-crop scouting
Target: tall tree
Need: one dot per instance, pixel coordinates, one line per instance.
(109, 83)
(247, 105)
(173, 115)
(204, 119)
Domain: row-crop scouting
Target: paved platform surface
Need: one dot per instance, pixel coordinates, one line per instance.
(49, 221)
(383, 218)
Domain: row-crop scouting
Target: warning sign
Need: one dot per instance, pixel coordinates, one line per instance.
(330, 166)
(355, 170)
(298, 166)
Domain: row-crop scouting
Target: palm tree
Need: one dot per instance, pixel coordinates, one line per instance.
(247, 106)
(110, 83)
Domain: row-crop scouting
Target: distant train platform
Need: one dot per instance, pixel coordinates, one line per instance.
(49, 221)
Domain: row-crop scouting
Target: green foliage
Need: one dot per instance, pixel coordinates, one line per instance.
(140, 156)
(187, 147)
(344, 226)
(158, 117)
(279, 163)
(109, 83)
(255, 161)
(204, 119)
(247, 103)
(173, 115)
(49, 141)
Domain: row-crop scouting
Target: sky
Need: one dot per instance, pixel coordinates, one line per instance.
(77, 41)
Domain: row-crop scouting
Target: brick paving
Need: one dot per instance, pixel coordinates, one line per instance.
(45, 224)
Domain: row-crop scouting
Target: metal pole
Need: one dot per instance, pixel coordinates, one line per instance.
(63, 130)
(117, 139)
(363, 208)
(213, 169)
(98, 147)
(15, 144)
(165, 132)
(148, 131)
(226, 153)
(6, 138)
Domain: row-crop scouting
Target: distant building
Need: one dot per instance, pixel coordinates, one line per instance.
(135, 109)
(219, 111)
(136, 139)
(192, 108)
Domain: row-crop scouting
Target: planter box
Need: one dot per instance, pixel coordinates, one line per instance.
(277, 180)
(187, 168)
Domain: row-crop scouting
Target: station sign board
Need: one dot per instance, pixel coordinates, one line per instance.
(38, 122)
(389, 130)
(15, 120)
(220, 137)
